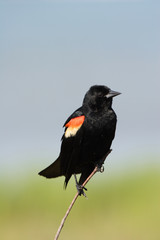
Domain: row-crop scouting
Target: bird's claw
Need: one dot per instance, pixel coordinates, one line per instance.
(81, 189)
(100, 168)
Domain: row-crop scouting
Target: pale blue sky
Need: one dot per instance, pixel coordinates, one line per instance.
(51, 53)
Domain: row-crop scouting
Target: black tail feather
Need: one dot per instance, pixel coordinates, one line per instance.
(52, 171)
(67, 178)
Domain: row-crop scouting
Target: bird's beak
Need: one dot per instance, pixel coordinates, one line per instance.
(112, 93)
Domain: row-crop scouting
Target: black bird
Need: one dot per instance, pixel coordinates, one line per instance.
(87, 138)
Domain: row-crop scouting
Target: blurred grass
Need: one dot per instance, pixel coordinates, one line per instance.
(120, 207)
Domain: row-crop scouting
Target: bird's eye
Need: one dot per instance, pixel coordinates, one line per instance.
(100, 95)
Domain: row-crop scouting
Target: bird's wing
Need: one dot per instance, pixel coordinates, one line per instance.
(73, 123)
(77, 113)
(71, 143)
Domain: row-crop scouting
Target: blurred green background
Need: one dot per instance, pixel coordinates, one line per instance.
(118, 207)
(51, 53)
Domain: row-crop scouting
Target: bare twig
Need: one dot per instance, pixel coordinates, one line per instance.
(75, 198)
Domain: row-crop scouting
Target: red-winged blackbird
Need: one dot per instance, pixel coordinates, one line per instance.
(87, 138)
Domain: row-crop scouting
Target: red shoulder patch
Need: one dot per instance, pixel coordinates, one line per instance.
(75, 122)
(73, 126)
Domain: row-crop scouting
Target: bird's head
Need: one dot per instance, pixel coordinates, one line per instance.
(98, 97)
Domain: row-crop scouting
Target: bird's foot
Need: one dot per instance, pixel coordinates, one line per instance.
(80, 188)
(100, 168)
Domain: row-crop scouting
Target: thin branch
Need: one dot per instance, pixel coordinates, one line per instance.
(75, 198)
